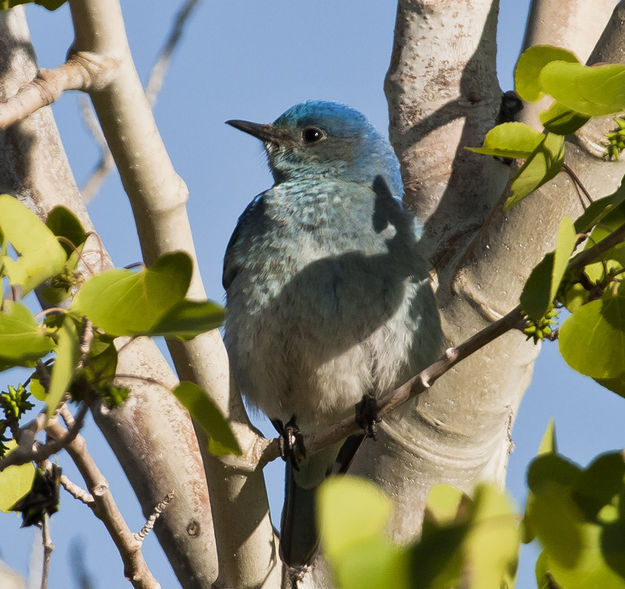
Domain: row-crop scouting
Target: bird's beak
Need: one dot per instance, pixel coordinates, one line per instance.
(266, 133)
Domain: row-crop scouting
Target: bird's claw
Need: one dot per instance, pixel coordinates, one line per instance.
(292, 447)
(367, 415)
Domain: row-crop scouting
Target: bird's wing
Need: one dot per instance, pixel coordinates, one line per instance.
(254, 211)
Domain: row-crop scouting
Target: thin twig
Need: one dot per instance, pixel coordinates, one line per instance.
(578, 184)
(67, 416)
(157, 75)
(105, 508)
(149, 524)
(25, 443)
(152, 89)
(48, 547)
(591, 254)
(50, 311)
(77, 491)
(36, 453)
(86, 339)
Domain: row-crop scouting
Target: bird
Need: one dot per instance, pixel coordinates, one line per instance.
(328, 299)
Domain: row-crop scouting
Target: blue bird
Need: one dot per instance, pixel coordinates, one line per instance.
(328, 298)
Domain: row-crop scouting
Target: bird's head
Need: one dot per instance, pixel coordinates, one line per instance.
(328, 139)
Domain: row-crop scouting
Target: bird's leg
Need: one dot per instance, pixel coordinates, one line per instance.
(367, 415)
(292, 447)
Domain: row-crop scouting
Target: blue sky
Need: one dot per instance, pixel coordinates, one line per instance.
(252, 60)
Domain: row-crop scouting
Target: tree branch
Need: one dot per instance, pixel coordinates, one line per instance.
(39, 453)
(77, 492)
(105, 508)
(149, 524)
(34, 168)
(25, 439)
(82, 71)
(48, 547)
(152, 89)
(577, 28)
(246, 539)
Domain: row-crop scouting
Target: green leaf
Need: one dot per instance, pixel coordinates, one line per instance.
(40, 255)
(545, 279)
(22, 339)
(599, 209)
(544, 163)
(352, 514)
(112, 395)
(375, 564)
(600, 562)
(350, 510)
(600, 484)
(544, 578)
(535, 297)
(437, 559)
(187, 319)
(482, 538)
(610, 222)
(577, 515)
(616, 385)
(63, 223)
(565, 244)
(122, 302)
(591, 91)
(592, 340)
(561, 120)
(512, 140)
(101, 363)
(443, 503)
(551, 468)
(49, 4)
(37, 390)
(556, 520)
(15, 482)
(207, 414)
(492, 545)
(67, 356)
(548, 443)
(574, 297)
(528, 68)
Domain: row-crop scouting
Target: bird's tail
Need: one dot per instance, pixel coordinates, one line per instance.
(298, 535)
(298, 530)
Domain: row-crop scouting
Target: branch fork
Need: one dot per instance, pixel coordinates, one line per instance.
(83, 70)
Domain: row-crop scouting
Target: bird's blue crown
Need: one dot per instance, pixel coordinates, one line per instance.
(354, 150)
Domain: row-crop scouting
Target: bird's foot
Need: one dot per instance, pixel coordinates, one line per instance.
(367, 415)
(297, 574)
(292, 447)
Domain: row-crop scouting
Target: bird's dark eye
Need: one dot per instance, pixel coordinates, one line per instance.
(312, 135)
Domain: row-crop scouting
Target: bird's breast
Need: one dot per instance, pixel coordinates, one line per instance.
(324, 305)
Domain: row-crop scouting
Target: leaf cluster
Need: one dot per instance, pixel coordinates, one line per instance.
(73, 348)
(465, 542)
(592, 338)
(578, 516)
(579, 92)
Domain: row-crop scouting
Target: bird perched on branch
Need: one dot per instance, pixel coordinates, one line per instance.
(328, 298)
